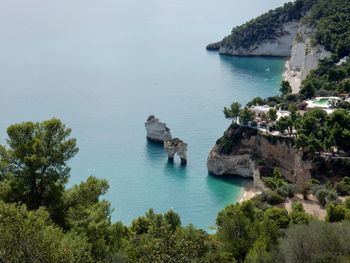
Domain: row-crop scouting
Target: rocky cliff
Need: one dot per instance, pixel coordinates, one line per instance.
(305, 56)
(249, 153)
(280, 46)
(295, 41)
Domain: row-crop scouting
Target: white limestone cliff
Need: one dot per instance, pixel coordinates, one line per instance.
(279, 47)
(305, 56)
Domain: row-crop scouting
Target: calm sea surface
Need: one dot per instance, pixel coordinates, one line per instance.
(104, 66)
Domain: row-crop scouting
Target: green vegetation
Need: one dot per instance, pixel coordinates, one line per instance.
(317, 131)
(332, 22)
(232, 137)
(233, 112)
(267, 26)
(285, 87)
(41, 220)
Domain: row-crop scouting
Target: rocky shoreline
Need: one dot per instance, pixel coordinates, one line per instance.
(295, 43)
(254, 154)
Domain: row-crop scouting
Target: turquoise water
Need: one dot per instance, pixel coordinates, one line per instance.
(104, 66)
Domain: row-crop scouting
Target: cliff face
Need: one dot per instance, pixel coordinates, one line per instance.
(294, 41)
(255, 155)
(305, 56)
(279, 47)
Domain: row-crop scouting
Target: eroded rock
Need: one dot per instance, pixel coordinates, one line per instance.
(176, 146)
(157, 131)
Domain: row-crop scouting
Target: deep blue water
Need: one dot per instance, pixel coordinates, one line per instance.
(104, 66)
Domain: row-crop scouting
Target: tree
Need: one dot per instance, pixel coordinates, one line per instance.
(272, 114)
(173, 219)
(285, 87)
(245, 116)
(308, 89)
(298, 215)
(34, 165)
(256, 101)
(233, 111)
(278, 215)
(84, 213)
(339, 125)
(285, 124)
(315, 242)
(30, 236)
(293, 109)
(276, 180)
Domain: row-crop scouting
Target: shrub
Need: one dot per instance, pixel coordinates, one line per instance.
(335, 213)
(298, 215)
(316, 242)
(278, 215)
(325, 196)
(287, 190)
(272, 198)
(343, 187)
(314, 189)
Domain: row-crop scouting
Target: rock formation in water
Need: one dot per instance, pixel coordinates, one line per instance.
(156, 130)
(247, 152)
(176, 146)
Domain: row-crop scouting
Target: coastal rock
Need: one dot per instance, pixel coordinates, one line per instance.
(176, 146)
(279, 47)
(305, 57)
(214, 46)
(255, 154)
(156, 130)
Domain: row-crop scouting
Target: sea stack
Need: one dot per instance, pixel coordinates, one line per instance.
(157, 131)
(176, 146)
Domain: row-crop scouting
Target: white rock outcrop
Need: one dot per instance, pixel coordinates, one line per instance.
(279, 47)
(305, 57)
(176, 146)
(252, 153)
(156, 130)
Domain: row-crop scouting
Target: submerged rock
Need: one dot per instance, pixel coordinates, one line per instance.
(156, 130)
(176, 146)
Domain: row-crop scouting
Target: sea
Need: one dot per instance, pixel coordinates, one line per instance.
(104, 66)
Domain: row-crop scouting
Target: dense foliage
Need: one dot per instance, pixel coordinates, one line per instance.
(332, 22)
(267, 26)
(318, 131)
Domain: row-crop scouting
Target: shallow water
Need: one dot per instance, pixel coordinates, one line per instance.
(104, 66)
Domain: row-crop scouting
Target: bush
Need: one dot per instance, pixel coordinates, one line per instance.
(287, 190)
(298, 215)
(272, 198)
(325, 196)
(314, 189)
(343, 187)
(316, 242)
(335, 213)
(278, 215)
